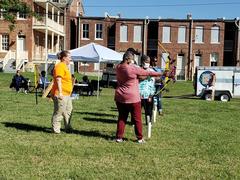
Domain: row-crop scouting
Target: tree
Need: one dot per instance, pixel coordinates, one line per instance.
(10, 8)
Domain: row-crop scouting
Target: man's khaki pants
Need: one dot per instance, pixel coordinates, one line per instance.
(62, 110)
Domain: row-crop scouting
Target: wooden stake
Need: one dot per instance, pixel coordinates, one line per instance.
(46, 92)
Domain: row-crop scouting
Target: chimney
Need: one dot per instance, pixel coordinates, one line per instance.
(189, 16)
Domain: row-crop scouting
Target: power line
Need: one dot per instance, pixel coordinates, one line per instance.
(163, 5)
(126, 22)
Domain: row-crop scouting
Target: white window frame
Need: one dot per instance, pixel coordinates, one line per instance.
(99, 31)
(5, 42)
(122, 33)
(137, 34)
(166, 34)
(1, 13)
(182, 34)
(215, 35)
(199, 34)
(21, 16)
(84, 64)
(85, 31)
(164, 59)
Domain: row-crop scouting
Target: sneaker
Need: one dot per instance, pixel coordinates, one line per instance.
(160, 112)
(54, 132)
(25, 91)
(119, 140)
(141, 141)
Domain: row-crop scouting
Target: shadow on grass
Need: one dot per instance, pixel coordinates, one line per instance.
(96, 114)
(187, 96)
(110, 121)
(93, 134)
(26, 127)
(101, 120)
(29, 127)
(114, 109)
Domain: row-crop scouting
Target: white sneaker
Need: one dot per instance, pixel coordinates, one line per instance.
(141, 141)
(119, 140)
(25, 91)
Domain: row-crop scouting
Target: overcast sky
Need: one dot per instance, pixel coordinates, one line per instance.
(177, 9)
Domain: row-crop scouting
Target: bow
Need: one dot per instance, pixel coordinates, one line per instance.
(170, 70)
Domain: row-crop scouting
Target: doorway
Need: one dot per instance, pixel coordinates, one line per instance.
(180, 71)
(21, 43)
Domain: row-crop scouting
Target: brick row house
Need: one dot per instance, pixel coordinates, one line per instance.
(198, 42)
(32, 39)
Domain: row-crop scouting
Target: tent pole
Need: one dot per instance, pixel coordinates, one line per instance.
(98, 79)
(46, 70)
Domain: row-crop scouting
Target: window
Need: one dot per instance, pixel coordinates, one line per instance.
(215, 30)
(55, 17)
(1, 13)
(21, 15)
(166, 34)
(50, 15)
(214, 59)
(164, 60)
(99, 31)
(123, 33)
(5, 42)
(85, 31)
(181, 34)
(199, 34)
(137, 34)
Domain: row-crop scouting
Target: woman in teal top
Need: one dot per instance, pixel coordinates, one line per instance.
(147, 89)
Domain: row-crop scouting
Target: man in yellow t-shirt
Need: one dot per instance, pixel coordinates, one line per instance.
(61, 93)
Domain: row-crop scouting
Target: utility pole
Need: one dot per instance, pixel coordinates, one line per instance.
(145, 28)
(189, 70)
(237, 23)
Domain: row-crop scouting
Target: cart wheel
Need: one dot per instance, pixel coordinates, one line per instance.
(208, 97)
(224, 97)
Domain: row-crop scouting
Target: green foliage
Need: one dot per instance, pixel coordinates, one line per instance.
(195, 139)
(10, 8)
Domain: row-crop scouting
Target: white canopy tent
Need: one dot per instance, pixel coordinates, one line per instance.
(93, 53)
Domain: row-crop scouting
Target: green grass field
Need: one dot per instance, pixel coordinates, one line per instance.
(195, 139)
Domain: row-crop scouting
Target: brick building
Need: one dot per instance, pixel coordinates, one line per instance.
(32, 39)
(190, 42)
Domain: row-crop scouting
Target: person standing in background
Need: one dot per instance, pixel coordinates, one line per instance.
(147, 89)
(159, 83)
(61, 93)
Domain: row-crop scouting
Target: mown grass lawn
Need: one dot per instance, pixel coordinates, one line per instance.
(195, 139)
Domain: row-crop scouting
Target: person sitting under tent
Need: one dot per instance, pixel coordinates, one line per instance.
(89, 89)
(18, 81)
(74, 81)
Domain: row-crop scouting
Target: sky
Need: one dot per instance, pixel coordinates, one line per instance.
(155, 9)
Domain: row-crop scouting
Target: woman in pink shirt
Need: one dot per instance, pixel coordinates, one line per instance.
(127, 95)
